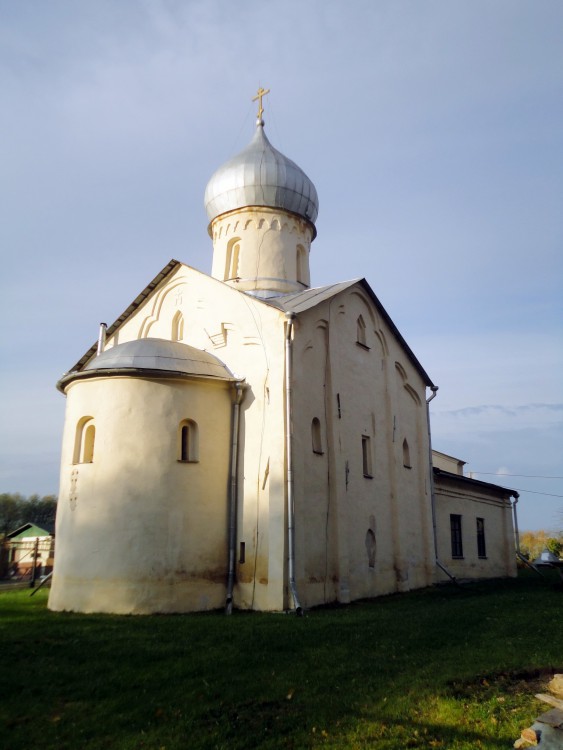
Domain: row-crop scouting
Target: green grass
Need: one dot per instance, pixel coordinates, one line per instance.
(443, 667)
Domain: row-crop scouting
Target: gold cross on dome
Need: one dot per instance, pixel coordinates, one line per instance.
(259, 94)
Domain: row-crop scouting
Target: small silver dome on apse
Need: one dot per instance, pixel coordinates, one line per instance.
(159, 354)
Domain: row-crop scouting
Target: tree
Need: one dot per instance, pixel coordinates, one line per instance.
(15, 510)
(555, 546)
(532, 543)
(9, 512)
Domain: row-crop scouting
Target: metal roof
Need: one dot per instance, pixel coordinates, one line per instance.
(302, 301)
(475, 482)
(160, 354)
(152, 358)
(261, 176)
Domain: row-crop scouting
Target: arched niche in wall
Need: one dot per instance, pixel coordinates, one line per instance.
(406, 454)
(165, 300)
(408, 388)
(177, 333)
(316, 436)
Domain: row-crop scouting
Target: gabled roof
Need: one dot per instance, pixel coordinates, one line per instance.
(29, 529)
(296, 303)
(473, 482)
(139, 299)
(308, 298)
(302, 301)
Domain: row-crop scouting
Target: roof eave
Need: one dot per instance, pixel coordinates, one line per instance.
(137, 302)
(138, 372)
(474, 482)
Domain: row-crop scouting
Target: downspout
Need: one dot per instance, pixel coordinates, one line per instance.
(519, 554)
(290, 317)
(239, 394)
(434, 389)
(515, 517)
(102, 338)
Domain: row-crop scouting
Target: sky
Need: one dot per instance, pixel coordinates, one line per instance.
(432, 130)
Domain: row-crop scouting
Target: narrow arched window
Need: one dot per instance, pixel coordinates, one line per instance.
(178, 327)
(84, 441)
(232, 260)
(406, 455)
(188, 441)
(316, 437)
(361, 332)
(301, 265)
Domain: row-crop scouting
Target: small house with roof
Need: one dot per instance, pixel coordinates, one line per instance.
(30, 551)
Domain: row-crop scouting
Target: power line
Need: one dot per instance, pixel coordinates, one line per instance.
(533, 492)
(530, 476)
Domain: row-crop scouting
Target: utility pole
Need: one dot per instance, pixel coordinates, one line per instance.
(34, 562)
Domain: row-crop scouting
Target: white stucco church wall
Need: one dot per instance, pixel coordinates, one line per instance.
(245, 438)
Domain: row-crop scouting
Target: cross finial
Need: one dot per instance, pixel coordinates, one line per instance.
(259, 94)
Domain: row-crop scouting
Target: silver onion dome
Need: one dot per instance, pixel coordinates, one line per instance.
(261, 176)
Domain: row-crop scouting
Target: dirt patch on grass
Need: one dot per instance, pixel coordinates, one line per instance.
(516, 682)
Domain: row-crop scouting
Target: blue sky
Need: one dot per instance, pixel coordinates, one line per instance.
(431, 129)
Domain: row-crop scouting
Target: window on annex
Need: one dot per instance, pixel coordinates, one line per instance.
(366, 456)
(406, 454)
(84, 441)
(361, 332)
(455, 528)
(316, 437)
(481, 546)
(188, 441)
(232, 260)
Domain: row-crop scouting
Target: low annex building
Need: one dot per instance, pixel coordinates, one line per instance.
(245, 439)
(474, 522)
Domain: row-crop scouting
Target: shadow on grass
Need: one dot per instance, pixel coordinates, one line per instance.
(434, 668)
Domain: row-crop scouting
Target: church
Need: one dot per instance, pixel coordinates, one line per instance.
(247, 440)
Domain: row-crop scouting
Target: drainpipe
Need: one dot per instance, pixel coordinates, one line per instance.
(519, 555)
(290, 317)
(515, 517)
(102, 338)
(239, 394)
(434, 389)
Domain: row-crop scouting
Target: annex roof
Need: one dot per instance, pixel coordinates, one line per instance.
(440, 473)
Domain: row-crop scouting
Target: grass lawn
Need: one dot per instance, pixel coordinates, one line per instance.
(440, 668)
